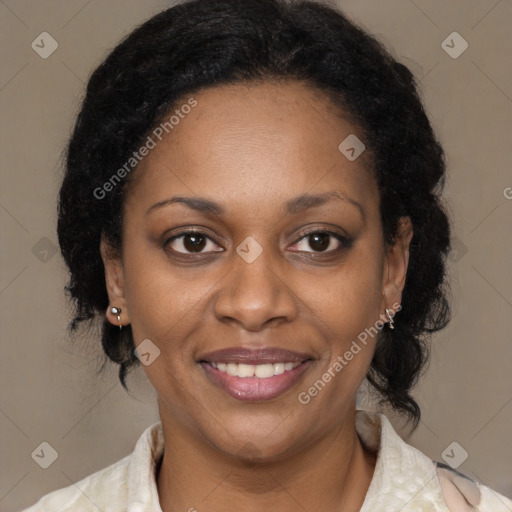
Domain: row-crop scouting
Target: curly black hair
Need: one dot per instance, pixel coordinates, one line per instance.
(204, 43)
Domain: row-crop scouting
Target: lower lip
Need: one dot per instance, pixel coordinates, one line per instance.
(254, 389)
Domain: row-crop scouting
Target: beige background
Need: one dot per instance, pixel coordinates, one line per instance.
(49, 389)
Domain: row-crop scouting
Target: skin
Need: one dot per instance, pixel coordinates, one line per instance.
(251, 148)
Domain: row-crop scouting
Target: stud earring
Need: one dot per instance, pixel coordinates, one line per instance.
(391, 322)
(117, 311)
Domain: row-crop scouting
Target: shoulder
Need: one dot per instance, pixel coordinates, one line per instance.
(97, 491)
(125, 485)
(462, 493)
(406, 479)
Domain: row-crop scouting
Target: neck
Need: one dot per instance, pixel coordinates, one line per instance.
(333, 473)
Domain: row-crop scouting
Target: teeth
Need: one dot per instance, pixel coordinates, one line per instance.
(279, 368)
(262, 371)
(232, 369)
(245, 370)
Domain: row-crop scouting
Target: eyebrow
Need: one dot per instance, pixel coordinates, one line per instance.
(291, 207)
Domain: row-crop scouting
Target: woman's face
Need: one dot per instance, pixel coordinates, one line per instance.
(247, 159)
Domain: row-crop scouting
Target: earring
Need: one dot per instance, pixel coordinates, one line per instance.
(117, 311)
(391, 322)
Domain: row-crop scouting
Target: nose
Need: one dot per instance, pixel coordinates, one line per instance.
(256, 294)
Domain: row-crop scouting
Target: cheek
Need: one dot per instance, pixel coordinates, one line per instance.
(165, 307)
(348, 307)
(164, 301)
(348, 298)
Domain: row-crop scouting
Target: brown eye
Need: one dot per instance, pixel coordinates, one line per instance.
(190, 242)
(321, 241)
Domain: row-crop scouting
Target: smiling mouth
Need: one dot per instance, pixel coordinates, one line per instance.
(254, 374)
(261, 371)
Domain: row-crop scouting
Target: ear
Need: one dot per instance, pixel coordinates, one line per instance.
(395, 266)
(114, 278)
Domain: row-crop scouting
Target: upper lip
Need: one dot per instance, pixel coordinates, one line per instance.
(254, 356)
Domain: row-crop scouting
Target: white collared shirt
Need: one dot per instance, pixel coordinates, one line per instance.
(404, 479)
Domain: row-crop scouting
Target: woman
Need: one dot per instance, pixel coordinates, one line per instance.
(252, 205)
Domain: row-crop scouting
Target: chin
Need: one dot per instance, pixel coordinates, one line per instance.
(270, 441)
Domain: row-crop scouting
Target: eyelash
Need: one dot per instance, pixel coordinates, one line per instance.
(345, 243)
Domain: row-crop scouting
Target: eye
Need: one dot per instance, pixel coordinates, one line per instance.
(195, 241)
(190, 242)
(321, 241)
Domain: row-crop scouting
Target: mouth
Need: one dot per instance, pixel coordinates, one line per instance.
(255, 375)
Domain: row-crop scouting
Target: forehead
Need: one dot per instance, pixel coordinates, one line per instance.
(250, 142)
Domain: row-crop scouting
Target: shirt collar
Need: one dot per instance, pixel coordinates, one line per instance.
(403, 477)
(142, 488)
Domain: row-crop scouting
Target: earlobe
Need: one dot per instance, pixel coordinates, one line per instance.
(114, 313)
(117, 311)
(396, 264)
